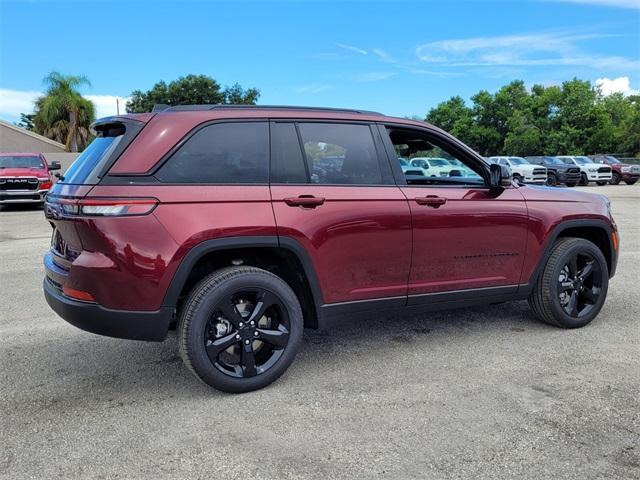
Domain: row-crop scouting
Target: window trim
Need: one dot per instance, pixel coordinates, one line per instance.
(386, 174)
(167, 156)
(456, 146)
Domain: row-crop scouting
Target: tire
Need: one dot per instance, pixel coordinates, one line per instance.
(552, 180)
(584, 181)
(571, 184)
(630, 182)
(615, 178)
(601, 184)
(517, 178)
(220, 310)
(556, 303)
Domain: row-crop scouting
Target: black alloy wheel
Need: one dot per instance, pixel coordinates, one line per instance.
(247, 333)
(240, 329)
(572, 287)
(584, 181)
(579, 284)
(615, 178)
(552, 180)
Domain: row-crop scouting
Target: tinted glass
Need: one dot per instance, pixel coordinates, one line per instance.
(287, 163)
(21, 162)
(221, 153)
(85, 168)
(340, 154)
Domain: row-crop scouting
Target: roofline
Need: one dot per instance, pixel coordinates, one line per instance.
(222, 106)
(32, 134)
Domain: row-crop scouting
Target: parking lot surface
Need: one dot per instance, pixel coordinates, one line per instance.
(474, 393)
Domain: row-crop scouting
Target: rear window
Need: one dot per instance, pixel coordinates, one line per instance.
(21, 162)
(98, 157)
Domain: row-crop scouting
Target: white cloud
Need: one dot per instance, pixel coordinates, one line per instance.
(15, 102)
(607, 86)
(106, 104)
(383, 56)
(608, 3)
(313, 88)
(351, 48)
(373, 76)
(535, 49)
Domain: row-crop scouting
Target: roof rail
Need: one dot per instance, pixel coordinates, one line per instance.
(221, 106)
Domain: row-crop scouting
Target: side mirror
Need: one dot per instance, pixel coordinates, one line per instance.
(500, 175)
(55, 165)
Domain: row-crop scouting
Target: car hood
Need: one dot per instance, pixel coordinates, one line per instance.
(554, 194)
(23, 172)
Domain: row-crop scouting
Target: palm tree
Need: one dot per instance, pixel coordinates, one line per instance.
(63, 114)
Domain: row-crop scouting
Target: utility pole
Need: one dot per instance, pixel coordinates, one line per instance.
(117, 106)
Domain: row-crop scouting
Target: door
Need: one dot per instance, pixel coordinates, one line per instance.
(333, 192)
(465, 235)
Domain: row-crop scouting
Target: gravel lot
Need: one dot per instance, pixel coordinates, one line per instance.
(475, 393)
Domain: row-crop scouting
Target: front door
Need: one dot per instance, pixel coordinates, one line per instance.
(465, 235)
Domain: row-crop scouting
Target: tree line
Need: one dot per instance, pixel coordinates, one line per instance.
(571, 119)
(64, 115)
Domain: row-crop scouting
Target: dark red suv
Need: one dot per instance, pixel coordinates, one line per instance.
(240, 226)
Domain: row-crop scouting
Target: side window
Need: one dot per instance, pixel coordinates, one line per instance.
(340, 154)
(502, 161)
(287, 163)
(221, 153)
(431, 159)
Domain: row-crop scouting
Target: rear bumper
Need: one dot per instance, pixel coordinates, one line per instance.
(22, 196)
(91, 317)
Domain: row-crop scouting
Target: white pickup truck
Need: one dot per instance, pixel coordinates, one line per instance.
(589, 171)
(523, 171)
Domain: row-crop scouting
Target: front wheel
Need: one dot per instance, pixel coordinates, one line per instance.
(584, 181)
(572, 286)
(552, 180)
(630, 182)
(615, 178)
(240, 329)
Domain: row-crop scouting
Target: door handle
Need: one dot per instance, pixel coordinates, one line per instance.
(431, 201)
(306, 201)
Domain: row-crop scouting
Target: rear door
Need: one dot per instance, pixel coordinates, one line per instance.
(333, 193)
(465, 235)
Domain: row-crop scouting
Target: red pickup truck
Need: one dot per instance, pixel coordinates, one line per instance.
(25, 177)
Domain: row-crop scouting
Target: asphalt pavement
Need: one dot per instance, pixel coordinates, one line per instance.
(484, 392)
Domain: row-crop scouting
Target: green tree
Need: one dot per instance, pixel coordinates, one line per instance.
(62, 114)
(27, 121)
(190, 90)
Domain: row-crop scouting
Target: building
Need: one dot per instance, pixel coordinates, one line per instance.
(15, 139)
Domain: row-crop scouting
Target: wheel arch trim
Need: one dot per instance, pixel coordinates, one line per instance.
(557, 231)
(206, 247)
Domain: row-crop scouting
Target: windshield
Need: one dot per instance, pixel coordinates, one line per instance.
(438, 162)
(553, 161)
(583, 160)
(21, 162)
(518, 161)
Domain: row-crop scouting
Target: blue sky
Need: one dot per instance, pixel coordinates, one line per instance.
(395, 57)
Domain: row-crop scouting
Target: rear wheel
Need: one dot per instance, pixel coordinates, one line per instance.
(572, 286)
(615, 178)
(517, 178)
(240, 329)
(630, 182)
(584, 181)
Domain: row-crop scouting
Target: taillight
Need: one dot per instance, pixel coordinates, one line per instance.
(108, 207)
